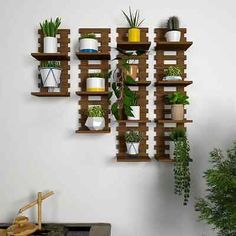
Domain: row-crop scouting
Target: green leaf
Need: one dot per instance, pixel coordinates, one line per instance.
(130, 80)
(128, 111)
(115, 110)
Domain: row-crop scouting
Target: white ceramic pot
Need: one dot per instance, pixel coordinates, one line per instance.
(132, 148)
(177, 112)
(50, 44)
(136, 113)
(172, 78)
(171, 150)
(50, 77)
(95, 123)
(95, 84)
(173, 36)
(88, 45)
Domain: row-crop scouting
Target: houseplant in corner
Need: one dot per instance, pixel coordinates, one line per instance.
(95, 120)
(218, 207)
(134, 23)
(50, 72)
(132, 139)
(173, 73)
(177, 101)
(88, 43)
(181, 164)
(135, 108)
(173, 34)
(96, 82)
(50, 29)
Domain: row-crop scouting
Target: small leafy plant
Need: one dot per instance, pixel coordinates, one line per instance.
(173, 71)
(134, 101)
(133, 137)
(181, 165)
(50, 27)
(104, 75)
(173, 23)
(88, 36)
(50, 64)
(178, 98)
(95, 111)
(218, 207)
(133, 18)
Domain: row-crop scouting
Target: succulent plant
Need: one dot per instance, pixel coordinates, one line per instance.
(173, 23)
(95, 111)
(133, 18)
(50, 27)
(133, 137)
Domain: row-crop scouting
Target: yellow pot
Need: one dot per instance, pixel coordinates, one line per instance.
(134, 35)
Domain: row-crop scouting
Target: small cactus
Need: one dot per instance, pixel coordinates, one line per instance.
(173, 23)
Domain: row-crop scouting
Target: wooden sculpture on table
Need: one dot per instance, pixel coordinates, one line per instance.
(21, 225)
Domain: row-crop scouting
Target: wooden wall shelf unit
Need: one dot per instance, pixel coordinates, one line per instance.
(62, 56)
(167, 51)
(124, 125)
(87, 66)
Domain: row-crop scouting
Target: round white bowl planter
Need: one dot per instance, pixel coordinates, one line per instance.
(177, 112)
(95, 84)
(172, 78)
(95, 123)
(171, 150)
(50, 45)
(136, 113)
(173, 36)
(50, 76)
(132, 148)
(88, 45)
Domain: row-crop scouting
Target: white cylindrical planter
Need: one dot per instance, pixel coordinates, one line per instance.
(136, 113)
(88, 45)
(172, 78)
(132, 148)
(95, 84)
(177, 112)
(95, 123)
(173, 36)
(50, 44)
(50, 77)
(171, 150)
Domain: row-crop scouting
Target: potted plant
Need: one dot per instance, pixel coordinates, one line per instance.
(50, 72)
(218, 207)
(173, 73)
(177, 101)
(134, 23)
(88, 43)
(173, 34)
(50, 30)
(134, 108)
(181, 164)
(132, 139)
(95, 120)
(96, 82)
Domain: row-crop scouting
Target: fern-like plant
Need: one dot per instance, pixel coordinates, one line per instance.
(173, 23)
(50, 27)
(95, 111)
(133, 18)
(173, 71)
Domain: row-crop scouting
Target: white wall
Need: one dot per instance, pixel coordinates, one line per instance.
(40, 151)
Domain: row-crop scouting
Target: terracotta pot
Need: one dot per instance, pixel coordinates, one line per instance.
(133, 72)
(177, 112)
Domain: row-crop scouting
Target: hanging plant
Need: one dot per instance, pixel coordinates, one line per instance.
(181, 165)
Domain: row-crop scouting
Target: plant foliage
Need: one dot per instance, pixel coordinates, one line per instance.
(104, 75)
(173, 23)
(88, 36)
(133, 18)
(173, 71)
(50, 64)
(178, 98)
(95, 111)
(50, 27)
(133, 137)
(218, 207)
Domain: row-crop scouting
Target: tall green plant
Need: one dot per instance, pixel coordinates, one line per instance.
(133, 18)
(50, 28)
(218, 207)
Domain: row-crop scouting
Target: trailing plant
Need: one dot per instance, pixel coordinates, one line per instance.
(95, 111)
(173, 71)
(50, 64)
(218, 207)
(181, 165)
(178, 98)
(173, 23)
(50, 28)
(88, 36)
(133, 137)
(133, 18)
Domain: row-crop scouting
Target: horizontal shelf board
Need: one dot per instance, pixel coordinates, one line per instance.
(139, 83)
(133, 121)
(92, 93)
(133, 46)
(51, 56)
(173, 121)
(93, 56)
(86, 131)
(171, 46)
(164, 159)
(170, 83)
(50, 94)
(130, 158)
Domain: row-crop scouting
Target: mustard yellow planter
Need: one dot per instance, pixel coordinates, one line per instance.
(134, 35)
